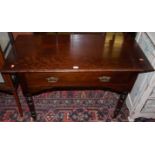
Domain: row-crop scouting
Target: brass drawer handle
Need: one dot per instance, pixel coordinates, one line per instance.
(52, 79)
(104, 78)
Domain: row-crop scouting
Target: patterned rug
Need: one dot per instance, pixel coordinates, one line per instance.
(65, 106)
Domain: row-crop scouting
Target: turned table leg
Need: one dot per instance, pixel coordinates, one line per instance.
(28, 95)
(120, 104)
(31, 106)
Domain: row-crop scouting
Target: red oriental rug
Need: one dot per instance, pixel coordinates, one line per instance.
(65, 106)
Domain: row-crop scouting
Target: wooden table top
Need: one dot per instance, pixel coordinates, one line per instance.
(66, 53)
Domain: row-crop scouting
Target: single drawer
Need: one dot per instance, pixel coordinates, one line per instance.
(78, 78)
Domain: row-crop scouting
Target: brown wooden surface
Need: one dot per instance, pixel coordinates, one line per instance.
(15, 34)
(91, 52)
(114, 55)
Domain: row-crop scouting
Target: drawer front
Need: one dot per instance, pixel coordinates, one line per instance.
(78, 78)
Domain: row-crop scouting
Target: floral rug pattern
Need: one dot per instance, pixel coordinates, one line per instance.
(65, 106)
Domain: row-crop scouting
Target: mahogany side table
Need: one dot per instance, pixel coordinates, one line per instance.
(76, 61)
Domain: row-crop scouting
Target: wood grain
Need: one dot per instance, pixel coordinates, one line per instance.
(90, 52)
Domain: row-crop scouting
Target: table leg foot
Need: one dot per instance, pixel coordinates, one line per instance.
(31, 106)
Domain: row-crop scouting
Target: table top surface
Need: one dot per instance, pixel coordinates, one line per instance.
(76, 52)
